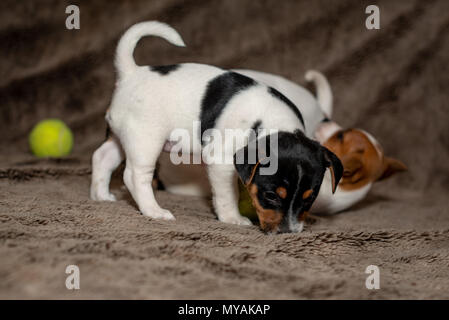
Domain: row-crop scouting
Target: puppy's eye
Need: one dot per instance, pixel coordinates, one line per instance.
(271, 196)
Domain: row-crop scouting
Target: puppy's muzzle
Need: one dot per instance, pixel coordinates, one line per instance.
(272, 221)
(293, 223)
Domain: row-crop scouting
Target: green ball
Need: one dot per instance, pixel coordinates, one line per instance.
(51, 138)
(246, 207)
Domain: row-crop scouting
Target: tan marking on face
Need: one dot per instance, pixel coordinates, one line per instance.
(361, 159)
(307, 194)
(269, 219)
(282, 192)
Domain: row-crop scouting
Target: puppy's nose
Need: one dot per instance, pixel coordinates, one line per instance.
(293, 228)
(293, 223)
(287, 228)
(326, 130)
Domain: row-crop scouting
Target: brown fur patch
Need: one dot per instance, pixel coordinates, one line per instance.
(307, 193)
(361, 161)
(269, 219)
(282, 192)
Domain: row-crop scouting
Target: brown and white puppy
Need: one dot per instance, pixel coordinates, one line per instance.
(364, 163)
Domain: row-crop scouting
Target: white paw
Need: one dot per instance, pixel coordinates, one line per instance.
(109, 197)
(102, 196)
(158, 213)
(236, 219)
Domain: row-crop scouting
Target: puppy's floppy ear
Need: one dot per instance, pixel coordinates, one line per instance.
(244, 166)
(334, 164)
(245, 172)
(391, 166)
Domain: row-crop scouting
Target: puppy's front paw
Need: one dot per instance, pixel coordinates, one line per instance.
(102, 196)
(237, 219)
(159, 213)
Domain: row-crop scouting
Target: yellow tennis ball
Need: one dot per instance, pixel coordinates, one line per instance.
(246, 207)
(51, 138)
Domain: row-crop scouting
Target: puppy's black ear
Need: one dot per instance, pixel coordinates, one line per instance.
(244, 171)
(391, 166)
(334, 164)
(245, 165)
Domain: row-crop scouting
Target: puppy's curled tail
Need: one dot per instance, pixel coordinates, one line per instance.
(323, 91)
(124, 60)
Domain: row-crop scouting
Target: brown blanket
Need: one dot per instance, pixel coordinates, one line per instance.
(392, 82)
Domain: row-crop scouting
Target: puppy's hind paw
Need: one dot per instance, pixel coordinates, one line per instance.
(159, 213)
(238, 220)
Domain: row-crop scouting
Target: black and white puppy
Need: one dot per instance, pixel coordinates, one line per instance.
(150, 102)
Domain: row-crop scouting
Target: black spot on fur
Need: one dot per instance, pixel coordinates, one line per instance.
(340, 135)
(256, 125)
(108, 132)
(164, 70)
(254, 134)
(219, 92)
(290, 104)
